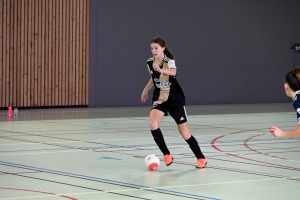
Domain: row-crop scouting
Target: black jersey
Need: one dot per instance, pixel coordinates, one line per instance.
(296, 105)
(166, 88)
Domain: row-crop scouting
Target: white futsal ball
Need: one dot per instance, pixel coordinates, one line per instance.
(152, 162)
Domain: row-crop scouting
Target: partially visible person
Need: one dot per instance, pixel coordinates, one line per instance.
(292, 89)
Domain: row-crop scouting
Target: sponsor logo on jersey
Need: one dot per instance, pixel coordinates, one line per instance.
(298, 110)
(164, 85)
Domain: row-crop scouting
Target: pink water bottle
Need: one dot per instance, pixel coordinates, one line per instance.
(10, 112)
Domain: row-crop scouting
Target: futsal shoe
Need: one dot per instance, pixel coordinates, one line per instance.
(201, 162)
(168, 159)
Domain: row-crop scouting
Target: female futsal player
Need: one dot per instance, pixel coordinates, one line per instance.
(168, 97)
(292, 89)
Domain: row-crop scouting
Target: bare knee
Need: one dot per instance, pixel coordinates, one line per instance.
(154, 125)
(155, 117)
(184, 131)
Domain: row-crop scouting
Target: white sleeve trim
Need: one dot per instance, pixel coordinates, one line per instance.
(171, 64)
(149, 69)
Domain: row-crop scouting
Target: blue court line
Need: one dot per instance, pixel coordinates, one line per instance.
(183, 193)
(108, 158)
(76, 175)
(14, 151)
(106, 180)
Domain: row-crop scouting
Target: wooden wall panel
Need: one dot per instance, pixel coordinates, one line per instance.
(77, 65)
(61, 66)
(3, 49)
(18, 68)
(80, 51)
(14, 57)
(64, 11)
(71, 51)
(43, 38)
(29, 56)
(9, 64)
(56, 96)
(35, 50)
(73, 47)
(1, 54)
(36, 56)
(51, 58)
(67, 20)
(44, 52)
(5, 63)
(85, 46)
(22, 48)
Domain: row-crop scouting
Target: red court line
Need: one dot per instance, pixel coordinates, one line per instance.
(241, 157)
(247, 146)
(35, 191)
(213, 167)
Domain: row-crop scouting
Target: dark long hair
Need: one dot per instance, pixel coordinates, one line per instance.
(293, 79)
(159, 40)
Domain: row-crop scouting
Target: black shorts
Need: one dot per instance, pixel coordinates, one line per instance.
(178, 113)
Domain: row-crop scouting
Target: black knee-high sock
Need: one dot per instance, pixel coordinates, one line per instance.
(159, 139)
(195, 147)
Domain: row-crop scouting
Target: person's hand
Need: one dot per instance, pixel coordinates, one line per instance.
(276, 131)
(156, 67)
(144, 96)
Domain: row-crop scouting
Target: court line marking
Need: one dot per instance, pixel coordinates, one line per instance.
(247, 145)
(160, 188)
(215, 167)
(120, 183)
(97, 149)
(104, 150)
(204, 142)
(165, 120)
(214, 145)
(176, 137)
(36, 191)
(170, 137)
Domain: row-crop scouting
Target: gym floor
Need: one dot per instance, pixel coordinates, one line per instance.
(98, 153)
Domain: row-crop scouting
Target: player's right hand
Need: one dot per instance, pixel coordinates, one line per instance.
(276, 131)
(144, 96)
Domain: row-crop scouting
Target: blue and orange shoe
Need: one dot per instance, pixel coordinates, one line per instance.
(168, 159)
(201, 162)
